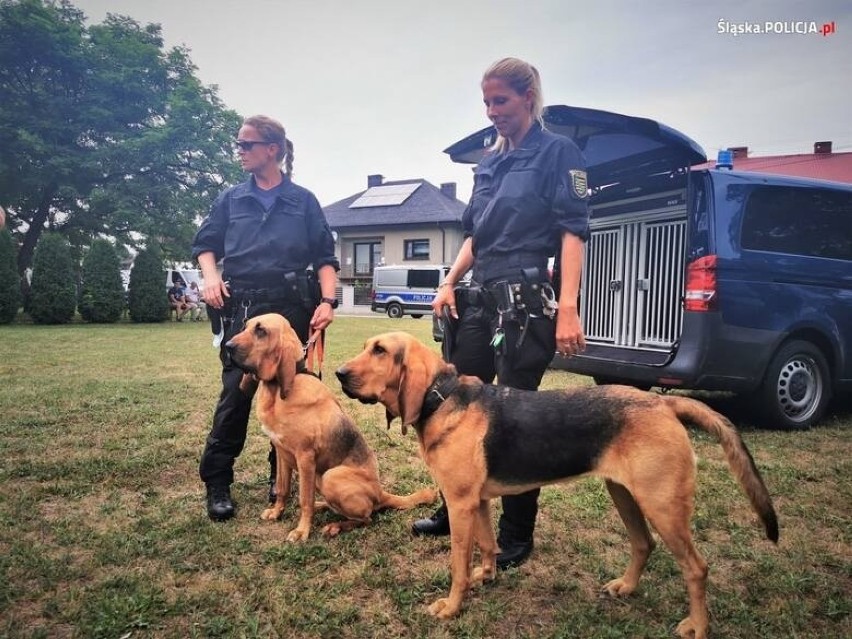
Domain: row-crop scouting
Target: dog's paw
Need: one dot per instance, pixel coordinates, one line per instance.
(618, 588)
(442, 609)
(481, 575)
(271, 514)
(298, 535)
(689, 630)
(332, 530)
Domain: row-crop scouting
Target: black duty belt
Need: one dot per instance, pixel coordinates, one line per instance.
(266, 294)
(526, 293)
(488, 269)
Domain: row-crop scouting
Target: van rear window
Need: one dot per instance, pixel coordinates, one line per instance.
(799, 221)
(424, 279)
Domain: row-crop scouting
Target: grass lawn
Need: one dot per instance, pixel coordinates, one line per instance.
(103, 531)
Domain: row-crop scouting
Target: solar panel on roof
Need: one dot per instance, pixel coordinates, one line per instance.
(387, 195)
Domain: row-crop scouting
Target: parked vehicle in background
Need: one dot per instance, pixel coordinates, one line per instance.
(186, 275)
(406, 290)
(708, 279)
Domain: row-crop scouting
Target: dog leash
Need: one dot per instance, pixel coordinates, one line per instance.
(315, 348)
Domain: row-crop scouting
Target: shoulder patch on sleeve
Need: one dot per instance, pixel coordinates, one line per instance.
(579, 183)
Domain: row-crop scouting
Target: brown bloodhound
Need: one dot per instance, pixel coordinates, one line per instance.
(310, 433)
(481, 441)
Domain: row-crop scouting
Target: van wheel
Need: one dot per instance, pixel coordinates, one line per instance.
(394, 311)
(796, 389)
(416, 315)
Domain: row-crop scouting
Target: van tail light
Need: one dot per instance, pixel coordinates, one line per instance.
(700, 292)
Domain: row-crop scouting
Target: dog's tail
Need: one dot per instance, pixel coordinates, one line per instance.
(739, 458)
(423, 496)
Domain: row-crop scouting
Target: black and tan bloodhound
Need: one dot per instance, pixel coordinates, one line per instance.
(481, 441)
(310, 433)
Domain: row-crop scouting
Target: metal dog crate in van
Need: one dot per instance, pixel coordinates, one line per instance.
(633, 273)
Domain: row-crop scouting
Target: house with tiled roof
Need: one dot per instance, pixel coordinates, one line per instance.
(395, 222)
(822, 164)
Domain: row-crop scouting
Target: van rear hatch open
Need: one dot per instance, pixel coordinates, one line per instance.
(617, 148)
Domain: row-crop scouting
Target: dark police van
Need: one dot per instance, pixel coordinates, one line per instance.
(707, 279)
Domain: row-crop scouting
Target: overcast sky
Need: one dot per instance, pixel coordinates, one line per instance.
(383, 86)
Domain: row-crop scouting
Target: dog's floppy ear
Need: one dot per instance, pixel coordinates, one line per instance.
(289, 354)
(414, 379)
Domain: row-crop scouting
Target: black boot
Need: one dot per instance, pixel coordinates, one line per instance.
(513, 551)
(219, 504)
(438, 525)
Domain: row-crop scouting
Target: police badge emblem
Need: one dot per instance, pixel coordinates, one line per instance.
(579, 183)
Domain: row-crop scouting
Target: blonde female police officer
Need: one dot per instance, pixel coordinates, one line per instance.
(266, 231)
(529, 202)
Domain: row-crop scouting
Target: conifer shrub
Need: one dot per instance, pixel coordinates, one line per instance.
(53, 293)
(148, 300)
(102, 293)
(10, 282)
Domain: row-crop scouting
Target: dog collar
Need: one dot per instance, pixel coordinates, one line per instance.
(443, 386)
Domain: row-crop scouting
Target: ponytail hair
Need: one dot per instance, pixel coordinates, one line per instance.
(288, 157)
(273, 131)
(521, 77)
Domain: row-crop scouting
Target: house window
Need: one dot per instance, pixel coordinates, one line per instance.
(417, 249)
(367, 256)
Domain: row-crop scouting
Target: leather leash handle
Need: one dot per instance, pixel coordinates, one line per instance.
(316, 348)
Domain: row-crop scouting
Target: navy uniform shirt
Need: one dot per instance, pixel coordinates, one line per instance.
(523, 201)
(259, 245)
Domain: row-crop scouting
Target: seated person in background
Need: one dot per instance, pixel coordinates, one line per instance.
(177, 300)
(193, 298)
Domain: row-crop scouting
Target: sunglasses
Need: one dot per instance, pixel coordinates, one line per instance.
(248, 145)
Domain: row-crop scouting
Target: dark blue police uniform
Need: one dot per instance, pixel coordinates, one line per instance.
(266, 240)
(522, 202)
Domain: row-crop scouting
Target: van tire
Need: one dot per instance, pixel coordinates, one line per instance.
(394, 311)
(416, 315)
(796, 389)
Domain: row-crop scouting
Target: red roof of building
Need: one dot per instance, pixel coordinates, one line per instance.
(821, 166)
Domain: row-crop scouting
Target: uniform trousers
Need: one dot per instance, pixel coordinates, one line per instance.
(520, 367)
(230, 420)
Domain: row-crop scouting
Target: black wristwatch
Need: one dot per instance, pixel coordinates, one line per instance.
(331, 301)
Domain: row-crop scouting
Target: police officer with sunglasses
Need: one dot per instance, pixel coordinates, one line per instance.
(266, 232)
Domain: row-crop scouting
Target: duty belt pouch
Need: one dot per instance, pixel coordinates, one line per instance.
(314, 289)
(299, 288)
(295, 289)
(531, 290)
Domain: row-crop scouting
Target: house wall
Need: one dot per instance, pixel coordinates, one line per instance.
(444, 245)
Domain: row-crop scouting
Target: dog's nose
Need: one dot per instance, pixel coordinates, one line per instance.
(341, 374)
(229, 345)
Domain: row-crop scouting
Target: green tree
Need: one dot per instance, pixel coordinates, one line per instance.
(53, 295)
(102, 293)
(103, 132)
(10, 282)
(147, 291)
